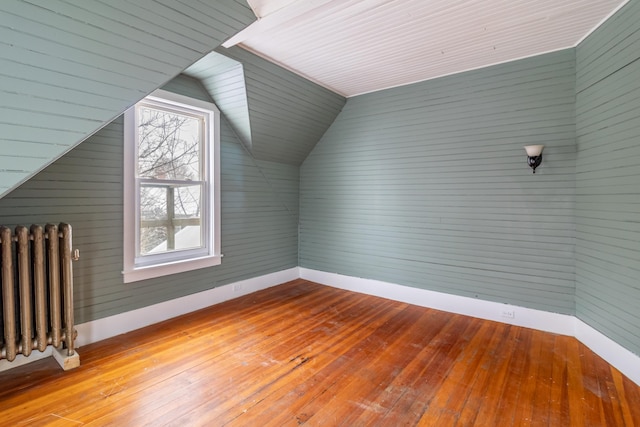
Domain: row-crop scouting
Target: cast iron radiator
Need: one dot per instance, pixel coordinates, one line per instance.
(37, 290)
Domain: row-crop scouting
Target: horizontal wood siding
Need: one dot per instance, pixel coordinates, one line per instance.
(608, 178)
(188, 86)
(84, 188)
(69, 68)
(224, 80)
(288, 113)
(427, 185)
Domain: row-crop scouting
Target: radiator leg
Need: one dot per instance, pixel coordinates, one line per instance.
(66, 362)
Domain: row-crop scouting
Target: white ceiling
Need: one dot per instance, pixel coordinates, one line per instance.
(358, 46)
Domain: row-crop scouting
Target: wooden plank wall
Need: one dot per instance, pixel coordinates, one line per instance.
(288, 113)
(70, 67)
(224, 80)
(608, 178)
(84, 188)
(427, 185)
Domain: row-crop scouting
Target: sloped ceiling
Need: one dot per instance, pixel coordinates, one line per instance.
(67, 68)
(277, 114)
(359, 46)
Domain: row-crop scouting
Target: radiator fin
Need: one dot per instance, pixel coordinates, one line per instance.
(37, 290)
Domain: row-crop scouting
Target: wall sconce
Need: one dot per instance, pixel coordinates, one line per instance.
(534, 155)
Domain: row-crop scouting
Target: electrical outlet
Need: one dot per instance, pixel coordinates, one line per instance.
(508, 313)
(237, 287)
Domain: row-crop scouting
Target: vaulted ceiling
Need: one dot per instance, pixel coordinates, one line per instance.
(359, 46)
(69, 68)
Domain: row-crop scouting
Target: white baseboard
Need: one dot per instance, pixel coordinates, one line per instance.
(111, 326)
(20, 360)
(617, 356)
(536, 319)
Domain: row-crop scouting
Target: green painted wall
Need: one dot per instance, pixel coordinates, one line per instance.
(288, 114)
(427, 185)
(70, 67)
(84, 188)
(424, 185)
(608, 178)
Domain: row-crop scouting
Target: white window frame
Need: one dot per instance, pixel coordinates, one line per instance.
(146, 267)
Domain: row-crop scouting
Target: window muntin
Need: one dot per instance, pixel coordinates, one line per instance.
(173, 192)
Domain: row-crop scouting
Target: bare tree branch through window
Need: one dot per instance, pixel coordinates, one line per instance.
(169, 166)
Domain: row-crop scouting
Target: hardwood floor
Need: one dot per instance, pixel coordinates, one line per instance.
(306, 354)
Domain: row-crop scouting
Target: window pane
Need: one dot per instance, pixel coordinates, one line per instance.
(188, 237)
(169, 145)
(170, 218)
(153, 203)
(153, 240)
(187, 201)
(188, 217)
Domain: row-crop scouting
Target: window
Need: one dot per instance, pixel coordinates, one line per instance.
(171, 186)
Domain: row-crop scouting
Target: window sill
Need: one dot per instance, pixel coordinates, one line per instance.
(158, 270)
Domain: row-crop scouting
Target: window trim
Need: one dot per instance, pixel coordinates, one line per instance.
(171, 263)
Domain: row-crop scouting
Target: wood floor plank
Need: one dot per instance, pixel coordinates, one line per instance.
(541, 404)
(294, 358)
(453, 393)
(487, 409)
(524, 405)
(374, 365)
(306, 354)
(607, 399)
(404, 387)
(628, 392)
(489, 372)
(323, 374)
(511, 395)
(576, 384)
(436, 374)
